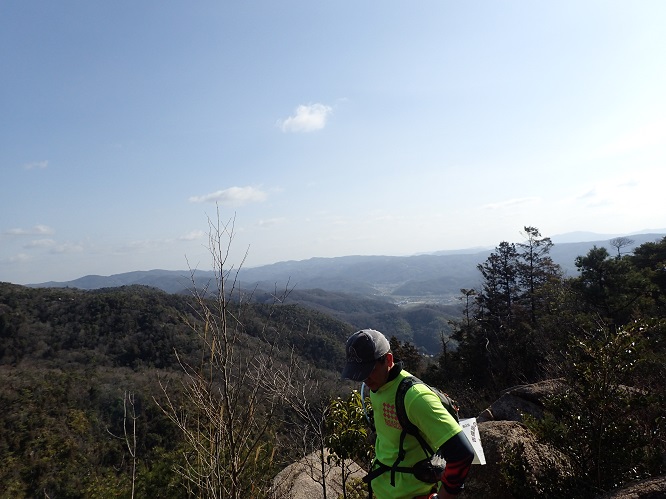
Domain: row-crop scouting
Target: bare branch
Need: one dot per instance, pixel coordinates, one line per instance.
(232, 397)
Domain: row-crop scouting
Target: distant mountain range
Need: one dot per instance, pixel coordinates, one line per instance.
(437, 276)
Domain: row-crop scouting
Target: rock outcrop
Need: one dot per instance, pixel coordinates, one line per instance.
(654, 488)
(510, 445)
(302, 479)
(511, 449)
(519, 400)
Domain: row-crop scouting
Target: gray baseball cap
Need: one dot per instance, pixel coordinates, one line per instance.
(364, 347)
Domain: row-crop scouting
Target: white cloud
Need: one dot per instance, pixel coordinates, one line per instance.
(270, 222)
(37, 230)
(233, 196)
(307, 118)
(141, 245)
(589, 194)
(509, 203)
(41, 243)
(650, 134)
(631, 183)
(53, 246)
(19, 258)
(192, 235)
(36, 165)
(623, 191)
(67, 248)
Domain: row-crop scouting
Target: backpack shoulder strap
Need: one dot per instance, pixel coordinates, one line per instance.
(401, 412)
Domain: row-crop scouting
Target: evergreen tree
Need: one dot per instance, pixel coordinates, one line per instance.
(501, 345)
(500, 287)
(536, 269)
(611, 287)
(650, 260)
(408, 354)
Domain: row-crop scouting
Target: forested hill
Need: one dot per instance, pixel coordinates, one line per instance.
(71, 361)
(138, 327)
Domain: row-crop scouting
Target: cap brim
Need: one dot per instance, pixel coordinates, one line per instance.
(357, 371)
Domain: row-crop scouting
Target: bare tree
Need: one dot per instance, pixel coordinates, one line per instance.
(310, 406)
(129, 436)
(228, 411)
(621, 242)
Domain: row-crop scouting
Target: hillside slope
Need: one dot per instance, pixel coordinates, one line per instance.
(74, 364)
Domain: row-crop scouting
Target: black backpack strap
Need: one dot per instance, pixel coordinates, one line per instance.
(400, 393)
(403, 419)
(380, 469)
(383, 468)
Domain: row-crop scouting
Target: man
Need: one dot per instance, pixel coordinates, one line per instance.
(369, 359)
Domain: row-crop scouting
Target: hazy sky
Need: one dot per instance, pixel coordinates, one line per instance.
(327, 128)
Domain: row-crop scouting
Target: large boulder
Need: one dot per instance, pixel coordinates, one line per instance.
(654, 488)
(519, 400)
(539, 470)
(536, 469)
(303, 479)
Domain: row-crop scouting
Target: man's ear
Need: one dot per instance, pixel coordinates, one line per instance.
(389, 359)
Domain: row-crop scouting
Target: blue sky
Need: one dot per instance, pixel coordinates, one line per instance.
(325, 128)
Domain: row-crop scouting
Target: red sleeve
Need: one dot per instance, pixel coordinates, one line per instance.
(459, 455)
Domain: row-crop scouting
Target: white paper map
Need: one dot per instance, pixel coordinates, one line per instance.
(471, 430)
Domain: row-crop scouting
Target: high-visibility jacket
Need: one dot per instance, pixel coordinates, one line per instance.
(426, 411)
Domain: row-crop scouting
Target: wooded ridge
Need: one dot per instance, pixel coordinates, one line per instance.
(393, 277)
